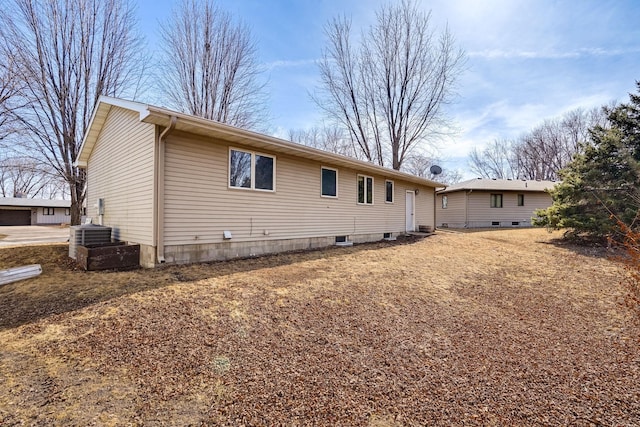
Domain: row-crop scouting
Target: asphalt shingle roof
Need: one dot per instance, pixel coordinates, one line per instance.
(500, 185)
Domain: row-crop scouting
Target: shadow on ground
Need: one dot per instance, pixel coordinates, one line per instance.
(63, 287)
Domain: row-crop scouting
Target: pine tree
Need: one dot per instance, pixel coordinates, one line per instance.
(600, 186)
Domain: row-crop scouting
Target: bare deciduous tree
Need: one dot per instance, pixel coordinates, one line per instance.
(10, 85)
(327, 138)
(495, 161)
(388, 93)
(540, 153)
(420, 165)
(67, 54)
(211, 68)
(24, 177)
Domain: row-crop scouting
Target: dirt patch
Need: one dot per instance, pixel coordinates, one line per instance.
(488, 328)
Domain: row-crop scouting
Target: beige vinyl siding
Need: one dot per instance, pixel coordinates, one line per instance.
(455, 214)
(424, 204)
(121, 171)
(199, 205)
(479, 210)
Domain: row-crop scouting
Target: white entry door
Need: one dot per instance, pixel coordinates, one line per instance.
(411, 211)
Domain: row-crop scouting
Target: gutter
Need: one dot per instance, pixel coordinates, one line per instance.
(435, 207)
(160, 189)
(201, 126)
(466, 208)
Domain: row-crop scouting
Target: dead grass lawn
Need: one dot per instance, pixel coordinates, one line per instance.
(503, 327)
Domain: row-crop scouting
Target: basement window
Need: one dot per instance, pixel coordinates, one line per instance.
(251, 171)
(515, 223)
(495, 223)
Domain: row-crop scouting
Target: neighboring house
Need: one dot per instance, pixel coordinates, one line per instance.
(189, 189)
(491, 203)
(23, 211)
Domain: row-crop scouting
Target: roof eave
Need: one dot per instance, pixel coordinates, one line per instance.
(197, 125)
(98, 117)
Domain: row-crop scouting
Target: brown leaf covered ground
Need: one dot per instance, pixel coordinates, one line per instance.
(500, 327)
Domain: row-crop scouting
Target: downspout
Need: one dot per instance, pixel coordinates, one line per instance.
(160, 189)
(466, 208)
(435, 207)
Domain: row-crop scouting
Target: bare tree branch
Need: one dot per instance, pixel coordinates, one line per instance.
(67, 54)
(388, 93)
(420, 165)
(540, 153)
(210, 66)
(327, 138)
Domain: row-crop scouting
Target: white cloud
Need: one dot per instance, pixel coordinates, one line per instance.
(530, 54)
(289, 63)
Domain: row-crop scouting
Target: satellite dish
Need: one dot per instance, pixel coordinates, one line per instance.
(435, 170)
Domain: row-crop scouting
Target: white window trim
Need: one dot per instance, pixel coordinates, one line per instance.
(393, 191)
(373, 186)
(324, 195)
(252, 171)
(445, 201)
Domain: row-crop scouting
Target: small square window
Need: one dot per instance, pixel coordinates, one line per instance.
(329, 183)
(496, 200)
(445, 202)
(520, 199)
(388, 194)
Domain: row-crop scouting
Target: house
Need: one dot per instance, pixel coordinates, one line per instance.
(23, 211)
(187, 189)
(491, 203)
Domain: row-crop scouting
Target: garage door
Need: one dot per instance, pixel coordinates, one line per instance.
(10, 217)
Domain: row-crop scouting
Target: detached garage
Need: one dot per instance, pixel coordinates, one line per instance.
(22, 211)
(15, 216)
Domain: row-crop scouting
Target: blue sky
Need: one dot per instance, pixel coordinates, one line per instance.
(527, 61)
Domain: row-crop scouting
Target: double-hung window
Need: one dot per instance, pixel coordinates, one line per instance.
(329, 182)
(445, 202)
(48, 211)
(365, 190)
(251, 170)
(520, 199)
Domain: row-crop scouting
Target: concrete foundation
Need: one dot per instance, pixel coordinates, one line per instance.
(185, 254)
(147, 256)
